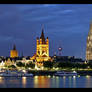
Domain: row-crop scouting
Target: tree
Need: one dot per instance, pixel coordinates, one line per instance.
(20, 64)
(55, 64)
(48, 64)
(30, 65)
(12, 66)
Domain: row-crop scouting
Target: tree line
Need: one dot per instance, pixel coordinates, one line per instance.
(50, 65)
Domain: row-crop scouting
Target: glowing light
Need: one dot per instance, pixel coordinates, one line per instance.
(49, 76)
(64, 77)
(36, 67)
(87, 76)
(74, 71)
(24, 71)
(36, 77)
(57, 77)
(54, 68)
(29, 68)
(53, 76)
(42, 67)
(0, 78)
(57, 68)
(74, 77)
(78, 75)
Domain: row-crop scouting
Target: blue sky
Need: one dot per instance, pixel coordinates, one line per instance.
(65, 24)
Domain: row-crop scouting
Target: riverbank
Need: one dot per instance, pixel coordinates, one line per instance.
(44, 72)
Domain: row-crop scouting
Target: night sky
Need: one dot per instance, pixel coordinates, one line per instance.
(66, 25)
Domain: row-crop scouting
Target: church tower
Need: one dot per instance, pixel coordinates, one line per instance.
(42, 50)
(14, 52)
(89, 45)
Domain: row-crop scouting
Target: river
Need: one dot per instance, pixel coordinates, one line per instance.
(46, 82)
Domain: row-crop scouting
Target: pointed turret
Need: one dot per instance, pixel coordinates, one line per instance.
(90, 32)
(14, 47)
(47, 40)
(37, 40)
(42, 36)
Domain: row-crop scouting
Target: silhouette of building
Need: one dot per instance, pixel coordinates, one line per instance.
(71, 59)
(42, 50)
(14, 52)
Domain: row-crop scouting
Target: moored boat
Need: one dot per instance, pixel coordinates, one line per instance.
(15, 74)
(62, 73)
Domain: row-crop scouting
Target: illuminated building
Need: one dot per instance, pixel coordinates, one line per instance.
(14, 52)
(9, 62)
(2, 64)
(89, 45)
(42, 50)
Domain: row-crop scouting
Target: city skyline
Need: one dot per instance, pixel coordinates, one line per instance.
(66, 25)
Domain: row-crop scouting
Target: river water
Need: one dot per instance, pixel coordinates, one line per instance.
(46, 82)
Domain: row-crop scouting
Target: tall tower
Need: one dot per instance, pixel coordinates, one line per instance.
(42, 50)
(14, 52)
(89, 45)
(60, 50)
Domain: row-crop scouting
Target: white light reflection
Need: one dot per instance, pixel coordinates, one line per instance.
(74, 81)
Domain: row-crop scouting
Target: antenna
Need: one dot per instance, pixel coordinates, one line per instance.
(60, 50)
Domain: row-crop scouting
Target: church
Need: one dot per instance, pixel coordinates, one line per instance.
(89, 45)
(14, 52)
(42, 50)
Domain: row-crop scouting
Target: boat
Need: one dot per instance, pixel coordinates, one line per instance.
(62, 73)
(15, 74)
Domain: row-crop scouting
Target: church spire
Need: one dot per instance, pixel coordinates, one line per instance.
(14, 47)
(42, 35)
(90, 32)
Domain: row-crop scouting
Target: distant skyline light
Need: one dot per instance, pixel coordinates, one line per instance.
(65, 24)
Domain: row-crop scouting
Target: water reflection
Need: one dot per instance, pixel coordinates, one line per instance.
(24, 81)
(64, 81)
(46, 82)
(74, 81)
(88, 81)
(1, 80)
(70, 81)
(41, 82)
(57, 82)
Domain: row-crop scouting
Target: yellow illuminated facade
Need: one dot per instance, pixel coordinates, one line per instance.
(42, 50)
(9, 62)
(14, 52)
(89, 45)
